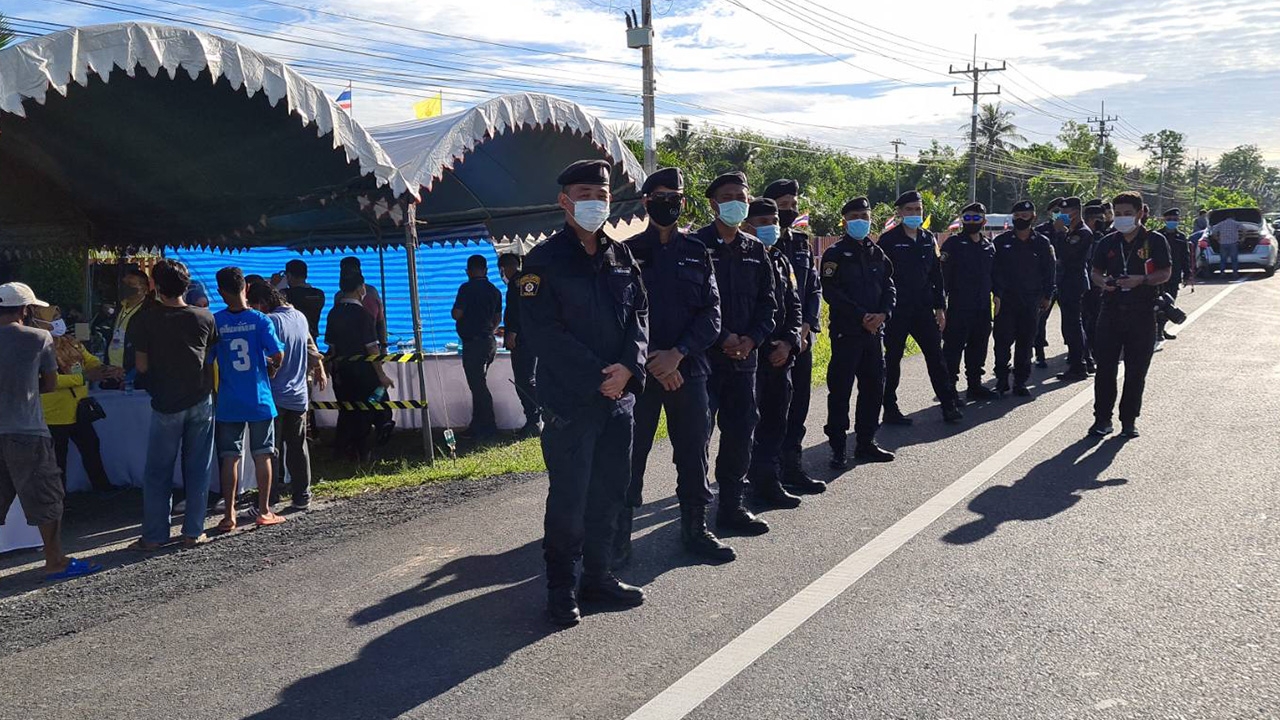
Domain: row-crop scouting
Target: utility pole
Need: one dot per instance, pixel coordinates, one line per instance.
(1195, 179)
(977, 73)
(640, 35)
(1104, 132)
(1160, 185)
(897, 185)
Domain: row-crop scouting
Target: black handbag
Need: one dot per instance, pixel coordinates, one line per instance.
(89, 410)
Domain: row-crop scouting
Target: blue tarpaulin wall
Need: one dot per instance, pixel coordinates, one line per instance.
(441, 269)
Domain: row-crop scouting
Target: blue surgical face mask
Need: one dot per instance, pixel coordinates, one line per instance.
(1064, 218)
(768, 234)
(913, 221)
(590, 214)
(733, 212)
(1171, 224)
(858, 229)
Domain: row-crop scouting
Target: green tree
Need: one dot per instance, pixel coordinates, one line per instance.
(1225, 197)
(1241, 167)
(6, 32)
(1166, 159)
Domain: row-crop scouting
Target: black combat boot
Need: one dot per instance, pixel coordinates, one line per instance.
(731, 516)
(977, 392)
(894, 416)
(562, 606)
(609, 590)
(770, 493)
(795, 479)
(869, 451)
(951, 413)
(700, 541)
(839, 457)
(1040, 361)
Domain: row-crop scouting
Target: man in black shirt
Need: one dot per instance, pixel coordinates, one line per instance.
(1091, 304)
(307, 299)
(1022, 283)
(171, 346)
(585, 313)
(1180, 256)
(857, 283)
(1072, 251)
(1130, 265)
(920, 313)
(1053, 229)
(967, 262)
(523, 363)
(350, 330)
(476, 313)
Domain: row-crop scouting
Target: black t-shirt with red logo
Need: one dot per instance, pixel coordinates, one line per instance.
(1145, 254)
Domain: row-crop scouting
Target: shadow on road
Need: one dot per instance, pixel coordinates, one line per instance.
(425, 657)
(1049, 488)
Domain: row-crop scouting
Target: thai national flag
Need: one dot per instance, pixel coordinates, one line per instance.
(344, 100)
(802, 221)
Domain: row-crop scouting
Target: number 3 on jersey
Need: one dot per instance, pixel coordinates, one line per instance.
(241, 362)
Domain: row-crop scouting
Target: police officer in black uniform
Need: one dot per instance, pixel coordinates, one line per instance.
(744, 276)
(684, 321)
(857, 283)
(584, 313)
(1131, 264)
(795, 244)
(1180, 255)
(1053, 228)
(1022, 283)
(523, 363)
(1072, 252)
(968, 259)
(1094, 219)
(921, 309)
(773, 369)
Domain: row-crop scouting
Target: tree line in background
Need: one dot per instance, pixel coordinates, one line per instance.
(1009, 169)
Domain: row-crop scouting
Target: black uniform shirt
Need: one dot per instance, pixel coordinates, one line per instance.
(580, 313)
(685, 310)
(917, 274)
(1179, 255)
(966, 271)
(1073, 249)
(745, 279)
(480, 303)
(1115, 257)
(796, 245)
(788, 317)
(511, 311)
(1024, 269)
(857, 279)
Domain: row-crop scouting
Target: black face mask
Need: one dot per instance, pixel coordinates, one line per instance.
(664, 213)
(787, 217)
(1021, 223)
(971, 228)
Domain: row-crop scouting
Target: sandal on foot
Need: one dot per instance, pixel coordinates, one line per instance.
(268, 519)
(226, 526)
(75, 568)
(190, 542)
(141, 545)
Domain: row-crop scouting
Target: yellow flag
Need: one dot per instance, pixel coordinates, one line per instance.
(429, 108)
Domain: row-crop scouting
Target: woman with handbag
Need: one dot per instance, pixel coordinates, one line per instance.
(68, 410)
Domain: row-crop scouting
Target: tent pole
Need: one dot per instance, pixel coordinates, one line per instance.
(382, 285)
(411, 249)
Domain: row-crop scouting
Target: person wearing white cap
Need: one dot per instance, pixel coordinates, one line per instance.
(28, 468)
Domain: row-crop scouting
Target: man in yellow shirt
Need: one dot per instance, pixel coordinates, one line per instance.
(133, 293)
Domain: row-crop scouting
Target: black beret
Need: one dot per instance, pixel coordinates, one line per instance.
(730, 178)
(858, 203)
(762, 206)
(1023, 206)
(781, 188)
(974, 207)
(666, 177)
(1096, 202)
(1106, 205)
(1072, 202)
(909, 196)
(585, 172)
(1173, 212)
(1055, 203)
(1093, 211)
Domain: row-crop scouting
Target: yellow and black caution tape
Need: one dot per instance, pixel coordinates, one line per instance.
(384, 405)
(388, 357)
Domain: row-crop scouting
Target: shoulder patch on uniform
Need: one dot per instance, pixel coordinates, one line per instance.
(529, 285)
(829, 269)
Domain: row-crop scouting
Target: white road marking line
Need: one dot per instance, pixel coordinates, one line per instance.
(690, 691)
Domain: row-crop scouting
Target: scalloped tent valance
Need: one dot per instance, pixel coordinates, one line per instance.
(156, 135)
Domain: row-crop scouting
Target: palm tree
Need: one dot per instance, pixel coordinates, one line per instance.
(631, 135)
(6, 32)
(997, 138)
(681, 139)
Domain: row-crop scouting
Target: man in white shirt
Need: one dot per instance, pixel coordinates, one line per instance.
(1228, 234)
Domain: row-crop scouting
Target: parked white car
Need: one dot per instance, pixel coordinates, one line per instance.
(1257, 242)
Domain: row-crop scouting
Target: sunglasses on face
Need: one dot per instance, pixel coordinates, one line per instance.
(973, 218)
(665, 197)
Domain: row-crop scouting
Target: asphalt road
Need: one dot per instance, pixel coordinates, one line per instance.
(1007, 568)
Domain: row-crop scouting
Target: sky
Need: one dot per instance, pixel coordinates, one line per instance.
(846, 73)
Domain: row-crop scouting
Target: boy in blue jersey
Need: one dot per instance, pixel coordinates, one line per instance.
(248, 352)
